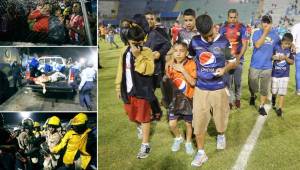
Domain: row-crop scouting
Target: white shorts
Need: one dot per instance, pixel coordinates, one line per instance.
(280, 85)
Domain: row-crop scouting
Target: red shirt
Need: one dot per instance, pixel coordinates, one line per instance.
(175, 30)
(76, 22)
(42, 21)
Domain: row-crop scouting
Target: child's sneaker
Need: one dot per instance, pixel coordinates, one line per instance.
(199, 159)
(279, 112)
(189, 148)
(221, 142)
(139, 132)
(262, 111)
(176, 144)
(144, 152)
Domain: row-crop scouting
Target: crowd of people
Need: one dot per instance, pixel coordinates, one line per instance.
(107, 33)
(199, 71)
(46, 21)
(51, 146)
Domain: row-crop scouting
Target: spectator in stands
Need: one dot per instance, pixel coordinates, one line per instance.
(210, 92)
(236, 33)
(34, 19)
(56, 34)
(159, 43)
(260, 71)
(39, 18)
(76, 25)
(296, 34)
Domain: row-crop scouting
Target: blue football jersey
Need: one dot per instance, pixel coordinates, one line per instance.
(209, 56)
(281, 68)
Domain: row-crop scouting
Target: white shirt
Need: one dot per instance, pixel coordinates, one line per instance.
(88, 74)
(129, 83)
(296, 34)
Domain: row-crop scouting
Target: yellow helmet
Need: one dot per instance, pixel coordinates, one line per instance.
(36, 124)
(54, 120)
(79, 119)
(67, 11)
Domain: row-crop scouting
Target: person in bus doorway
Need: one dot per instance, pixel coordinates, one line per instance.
(86, 85)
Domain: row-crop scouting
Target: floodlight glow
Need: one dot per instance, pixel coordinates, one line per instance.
(94, 58)
(25, 114)
(82, 61)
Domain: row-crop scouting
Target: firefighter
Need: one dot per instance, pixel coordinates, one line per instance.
(53, 137)
(30, 146)
(76, 140)
(37, 129)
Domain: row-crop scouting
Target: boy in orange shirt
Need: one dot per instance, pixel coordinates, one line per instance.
(182, 73)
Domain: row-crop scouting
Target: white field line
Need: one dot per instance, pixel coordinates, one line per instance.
(241, 162)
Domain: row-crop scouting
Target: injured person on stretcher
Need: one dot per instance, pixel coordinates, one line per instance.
(41, 80)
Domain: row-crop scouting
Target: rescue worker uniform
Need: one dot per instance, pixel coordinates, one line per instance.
(52, 139)
(76, 144)
(36, 132)
(86, 85)
(30, 146)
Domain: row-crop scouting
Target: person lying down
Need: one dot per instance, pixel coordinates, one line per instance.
(41, 80)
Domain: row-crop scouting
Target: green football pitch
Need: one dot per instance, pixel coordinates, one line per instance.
(277, 147)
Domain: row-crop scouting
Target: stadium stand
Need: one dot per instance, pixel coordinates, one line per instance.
(126, 9)
(109, 9)
(123, 8)
(160, 6)
(278, 11)
(220, 8)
